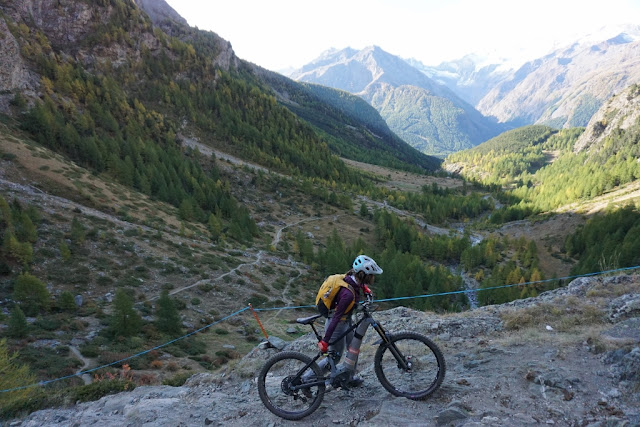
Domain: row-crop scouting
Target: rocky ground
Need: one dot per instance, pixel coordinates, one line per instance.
(570, 357)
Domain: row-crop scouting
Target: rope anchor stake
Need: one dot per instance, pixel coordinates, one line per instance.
(259, 322)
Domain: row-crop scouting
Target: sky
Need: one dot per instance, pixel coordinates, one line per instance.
(280, 34)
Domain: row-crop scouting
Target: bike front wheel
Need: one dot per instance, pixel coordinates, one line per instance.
(410, 365)
(281, 385)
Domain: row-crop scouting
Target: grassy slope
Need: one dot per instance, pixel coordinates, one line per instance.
(352, 128)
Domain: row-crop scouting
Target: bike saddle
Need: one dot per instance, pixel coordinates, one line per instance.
(308, 320)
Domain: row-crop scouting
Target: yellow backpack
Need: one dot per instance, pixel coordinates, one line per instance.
(328, 292)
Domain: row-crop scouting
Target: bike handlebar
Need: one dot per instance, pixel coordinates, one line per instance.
(367, 302)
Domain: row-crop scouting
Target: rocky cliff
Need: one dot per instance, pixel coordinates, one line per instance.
(568, 357)
(89, 33)
(619, 113)
(14, 74)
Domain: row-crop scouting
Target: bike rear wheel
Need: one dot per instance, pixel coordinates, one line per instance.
(426, 366)
(279, 385)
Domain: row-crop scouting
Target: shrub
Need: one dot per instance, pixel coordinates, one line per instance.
(17, 324)
(145, 379)
(267, 269)
(206, 287)
(36, 400)
(65, 252)
(48, 323)
(13, 375)
(5, 269)
(168, 319)
(31, 294)
(98, 389)
(177, 380)
(190, 346)
(66, 302)
(104, 280)
(78, 232)
(125, 320)
(257, 300)
(21, 251)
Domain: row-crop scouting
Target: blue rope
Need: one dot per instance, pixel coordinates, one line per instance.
(468, 290)
(42, 383)
(510, 286)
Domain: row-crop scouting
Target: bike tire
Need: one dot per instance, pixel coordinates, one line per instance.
(428, 367)
(277, 374)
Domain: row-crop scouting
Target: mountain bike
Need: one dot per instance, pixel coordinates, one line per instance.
(407, 364)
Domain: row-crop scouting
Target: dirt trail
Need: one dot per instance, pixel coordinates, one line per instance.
(86, 364)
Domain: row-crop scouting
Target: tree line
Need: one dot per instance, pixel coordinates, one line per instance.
(606, 242)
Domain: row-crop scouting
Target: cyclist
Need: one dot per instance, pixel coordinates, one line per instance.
(351, 285)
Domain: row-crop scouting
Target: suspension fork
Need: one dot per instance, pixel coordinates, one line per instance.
(402, 361)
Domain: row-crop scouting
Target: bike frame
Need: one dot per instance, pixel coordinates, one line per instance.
(353, 351)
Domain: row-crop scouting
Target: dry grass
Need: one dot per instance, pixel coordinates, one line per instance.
(608, 291)
(574, 320)
(621, 196)
(563, 315)
(401, 180)
(40, 167)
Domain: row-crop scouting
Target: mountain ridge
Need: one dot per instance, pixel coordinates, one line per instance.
(562, 88)
(405, 97)
(570, 84)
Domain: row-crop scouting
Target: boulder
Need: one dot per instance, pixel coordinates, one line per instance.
(624, 307)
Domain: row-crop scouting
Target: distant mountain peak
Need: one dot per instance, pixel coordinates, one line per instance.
(426, 114)
(567, 86)
(621, 38)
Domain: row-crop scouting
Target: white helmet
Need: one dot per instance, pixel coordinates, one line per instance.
(367, 265)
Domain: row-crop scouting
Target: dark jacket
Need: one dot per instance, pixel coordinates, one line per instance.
(343, 298)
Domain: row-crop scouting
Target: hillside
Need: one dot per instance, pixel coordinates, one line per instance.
(116, 200)
(568, 357)
(549, 169)
(346, 128)
(504, 157)
(212, 92)
(427, 115)
(352, 128)
(618, 116)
